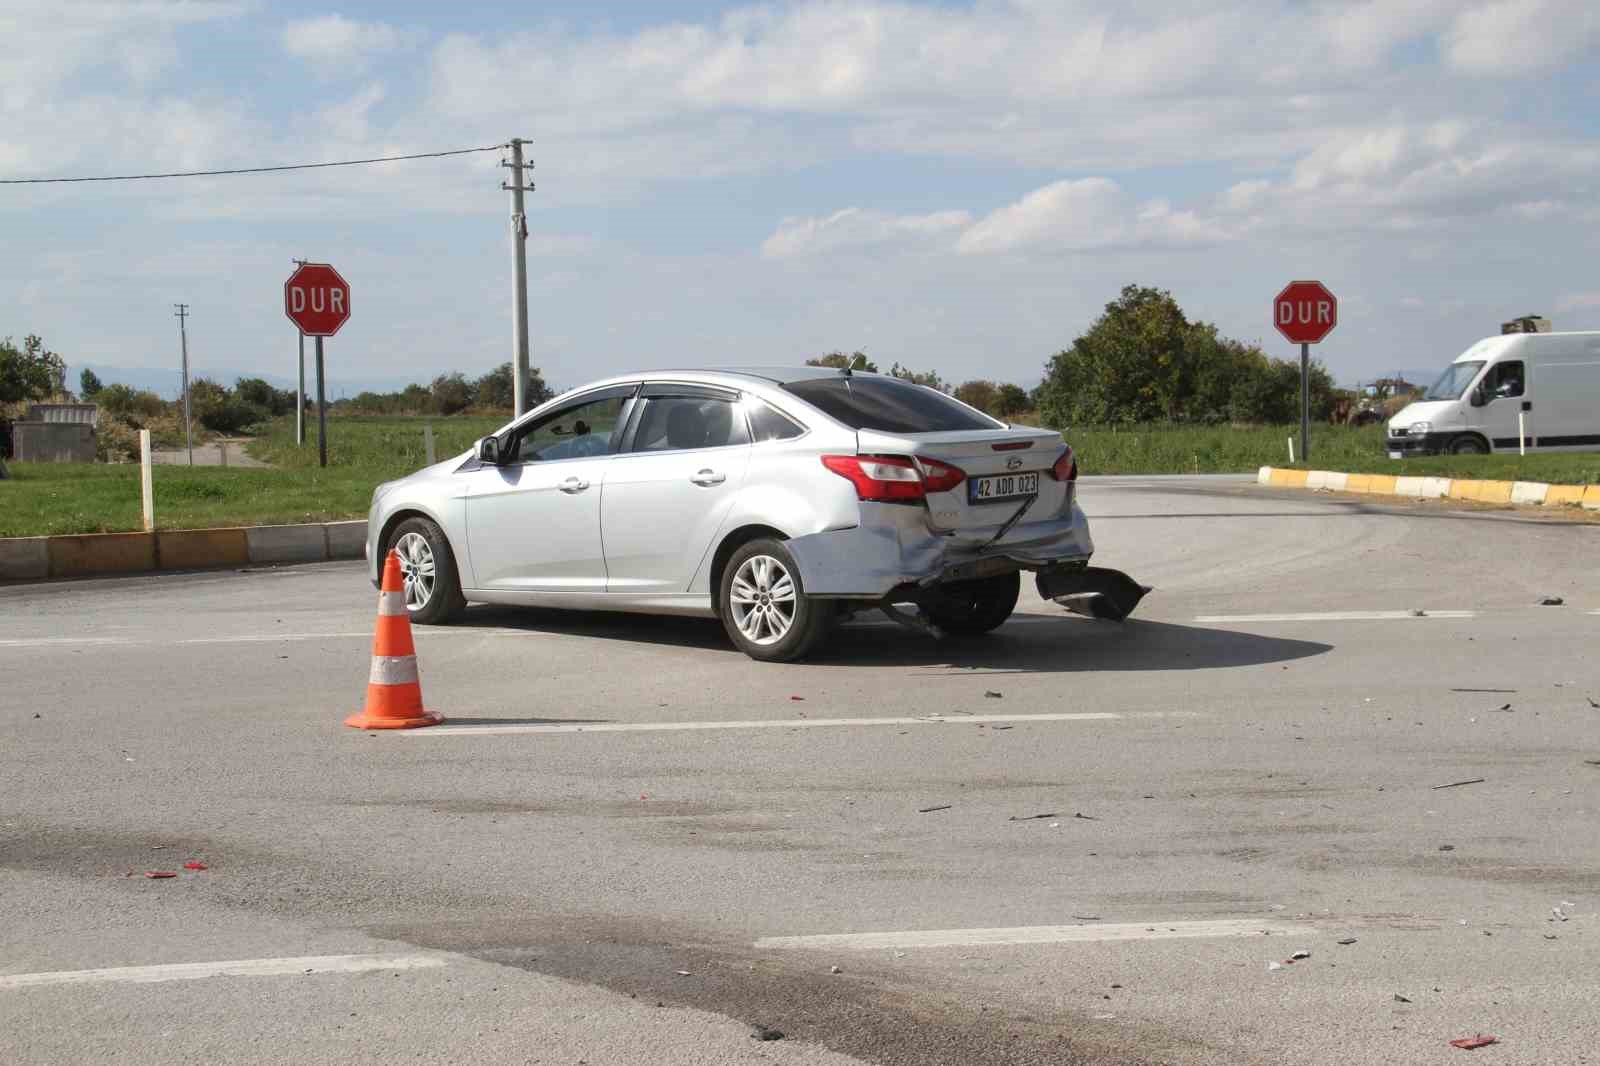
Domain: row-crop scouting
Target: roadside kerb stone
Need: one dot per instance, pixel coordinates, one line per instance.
(198, 549)
(102, 553)
(1521, 493)
(24, 558)
(1529, 492)
(287, 544)
(347, 540)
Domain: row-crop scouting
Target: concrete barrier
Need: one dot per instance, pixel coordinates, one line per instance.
(24, 558)
(287, 544)
(1529, 492)
(1564, 496)
(347, 540)
(102, 553)
(1408, 486)
(199, 549)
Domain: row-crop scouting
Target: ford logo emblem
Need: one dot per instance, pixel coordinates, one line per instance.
(1013, 463)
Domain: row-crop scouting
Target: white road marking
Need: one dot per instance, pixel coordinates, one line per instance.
(1337, 616)
(191, 971)
(777, 723)
(1038, 934)
(244, 638)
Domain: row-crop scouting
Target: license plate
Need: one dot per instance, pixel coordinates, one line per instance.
(1002, 487)
(1396, 455)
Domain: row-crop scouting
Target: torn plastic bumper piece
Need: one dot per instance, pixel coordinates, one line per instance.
(1091, 590)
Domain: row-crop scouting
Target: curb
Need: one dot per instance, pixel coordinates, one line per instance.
(1520, 493)
(98, 554)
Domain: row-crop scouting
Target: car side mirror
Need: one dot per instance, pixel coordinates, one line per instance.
(489, 451)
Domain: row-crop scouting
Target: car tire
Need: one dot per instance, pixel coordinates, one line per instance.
(973, 608)
(764, 608)
(432, 584)
(1468, 446)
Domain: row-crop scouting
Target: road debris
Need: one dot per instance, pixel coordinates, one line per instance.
(1346, 942)
(1091, 918)
(1085, 817)
(684, 973)
(764, 1033)
(1447, 847)
(1592, 703)
(1032, 817)
(1473, 1043)
(997, 728)
(1551, 601)
(1398, 998)
(797, 699)
(1591, 762)
(1559, 914)
(195, 864)
(1274, 966)
(158, 875)
(990, 694)
(930, 810)
(1458, 784)
(1505, 706)
(834, 969)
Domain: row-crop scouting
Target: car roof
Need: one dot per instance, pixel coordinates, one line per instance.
(781, 375)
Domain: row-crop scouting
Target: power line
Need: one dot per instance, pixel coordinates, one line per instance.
(251, 170)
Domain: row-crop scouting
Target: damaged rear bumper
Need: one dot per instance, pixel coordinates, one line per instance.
(894, 547)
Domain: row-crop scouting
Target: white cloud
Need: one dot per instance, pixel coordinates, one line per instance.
(1089, 213)
(1511, 37)
(335, 42)
(855, 228)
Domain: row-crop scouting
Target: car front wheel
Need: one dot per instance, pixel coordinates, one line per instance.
(432, 587)
(764, 606)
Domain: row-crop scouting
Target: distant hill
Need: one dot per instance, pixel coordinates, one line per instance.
(168, 382)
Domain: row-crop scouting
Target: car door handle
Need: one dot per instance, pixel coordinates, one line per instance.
(573, 484)
(709, 477)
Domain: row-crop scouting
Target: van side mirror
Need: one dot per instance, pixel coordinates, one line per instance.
(489, 451)
(1478, 399)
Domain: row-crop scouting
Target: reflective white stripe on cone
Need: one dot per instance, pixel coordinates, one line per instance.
(393, 670)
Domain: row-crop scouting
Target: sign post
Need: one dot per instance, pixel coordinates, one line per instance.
(1305, 312)
(317, 300)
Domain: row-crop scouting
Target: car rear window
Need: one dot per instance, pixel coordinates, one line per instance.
(888, 405)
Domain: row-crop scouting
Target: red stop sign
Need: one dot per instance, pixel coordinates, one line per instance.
(317, 299)
(1305, 312)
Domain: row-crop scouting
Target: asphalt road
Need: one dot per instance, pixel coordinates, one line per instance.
(1245, 771)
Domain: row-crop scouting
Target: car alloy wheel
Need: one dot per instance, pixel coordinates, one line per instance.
(417, 567)
(763, 600)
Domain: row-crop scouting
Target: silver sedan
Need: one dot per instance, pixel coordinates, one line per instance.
(776, 500)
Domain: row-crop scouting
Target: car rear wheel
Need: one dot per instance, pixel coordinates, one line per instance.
(972, 608)
(764, 607)
(1468, 446)
(432, 587)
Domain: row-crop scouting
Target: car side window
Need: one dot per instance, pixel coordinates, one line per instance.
(766, 423)
(1504, 380)
(681, 423)
(582, 431)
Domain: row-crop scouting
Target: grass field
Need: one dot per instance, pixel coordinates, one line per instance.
(60, 498)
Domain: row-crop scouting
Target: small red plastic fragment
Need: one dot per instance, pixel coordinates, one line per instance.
(1472, 1043)
(193, 865)
(159, 873)
(798, 699)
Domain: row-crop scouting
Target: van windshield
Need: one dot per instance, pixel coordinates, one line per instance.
(1454, 381)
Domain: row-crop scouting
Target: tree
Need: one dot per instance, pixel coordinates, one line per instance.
(31, 372)
(452, 393)
(1011, 400)
(1133, 364)
(979, 393)
(841, 361)
(257, 393)
(495, 387)
(930, 378)
(89, 384)
(538, 392)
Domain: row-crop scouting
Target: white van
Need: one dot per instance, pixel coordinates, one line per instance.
(1551, 379)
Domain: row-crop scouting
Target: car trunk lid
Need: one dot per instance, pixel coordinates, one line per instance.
(991, 454)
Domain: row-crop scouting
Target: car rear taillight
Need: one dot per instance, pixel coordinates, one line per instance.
(1065, 467)
(941, 477)
(893, 478)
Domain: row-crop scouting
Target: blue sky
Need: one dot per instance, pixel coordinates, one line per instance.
(954, 186)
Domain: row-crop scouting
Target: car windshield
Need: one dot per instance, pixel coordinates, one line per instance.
(1454, 381)
(888, 405)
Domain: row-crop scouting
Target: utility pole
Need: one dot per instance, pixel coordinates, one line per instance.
(182, 313)
(519, 283)
(300, 394)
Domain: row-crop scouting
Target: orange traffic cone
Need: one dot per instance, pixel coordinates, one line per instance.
(394, 695)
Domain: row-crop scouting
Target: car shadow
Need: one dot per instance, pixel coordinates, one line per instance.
(1027, 644)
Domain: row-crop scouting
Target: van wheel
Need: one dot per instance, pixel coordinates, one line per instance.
(432, 588)
(972, 608)
(764, 606)
(1468, 446)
